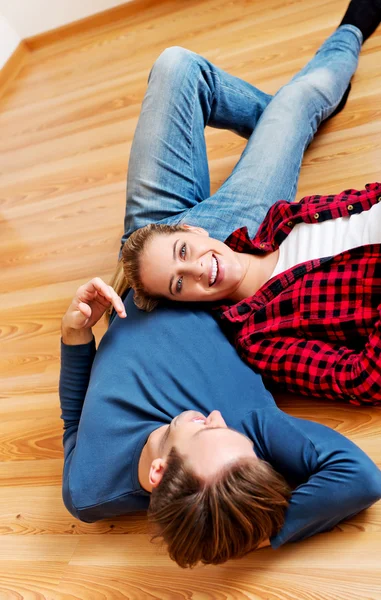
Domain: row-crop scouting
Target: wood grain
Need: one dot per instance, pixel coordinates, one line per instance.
(211, 583)
(67, 120)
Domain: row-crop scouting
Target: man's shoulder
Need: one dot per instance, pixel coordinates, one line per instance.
(123, 504)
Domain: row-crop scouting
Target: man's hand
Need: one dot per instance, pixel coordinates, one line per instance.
(89, 304)
(264, 544)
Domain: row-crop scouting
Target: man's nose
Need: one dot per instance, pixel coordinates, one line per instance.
(215, 419)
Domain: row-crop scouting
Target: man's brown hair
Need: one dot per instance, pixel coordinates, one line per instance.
(222, 518)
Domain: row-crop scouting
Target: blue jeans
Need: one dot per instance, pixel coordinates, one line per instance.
(168, 174)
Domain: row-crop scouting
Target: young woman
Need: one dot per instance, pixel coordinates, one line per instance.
(301, 297)
(143, 412)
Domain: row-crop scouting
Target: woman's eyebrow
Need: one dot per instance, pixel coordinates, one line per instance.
(174, 258)
(174, 249)
(170, 285)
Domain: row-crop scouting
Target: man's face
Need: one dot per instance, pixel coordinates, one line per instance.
(190, 266)
(197, 436)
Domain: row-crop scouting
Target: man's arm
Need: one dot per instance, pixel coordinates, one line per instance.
(77, 356)
(314, 367)
(75, 337)
(342, 480)
(264, 544)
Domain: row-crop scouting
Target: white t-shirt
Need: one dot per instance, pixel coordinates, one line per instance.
(310, 241)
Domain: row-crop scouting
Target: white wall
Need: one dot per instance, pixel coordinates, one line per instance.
(9, 40)
(30, 17)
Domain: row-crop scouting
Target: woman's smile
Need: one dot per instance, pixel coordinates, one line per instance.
(217, 271)
(213, 271)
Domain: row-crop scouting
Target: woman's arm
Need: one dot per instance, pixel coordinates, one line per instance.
(315, 367)
(371, 191)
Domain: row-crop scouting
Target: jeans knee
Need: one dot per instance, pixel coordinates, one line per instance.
(171, 59)
(315, 89)
(294, 96)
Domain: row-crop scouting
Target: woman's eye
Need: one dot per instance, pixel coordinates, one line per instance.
(179, 284)
(183, 251)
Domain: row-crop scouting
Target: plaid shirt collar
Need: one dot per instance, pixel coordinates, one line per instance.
(278, 223)
(239, 312)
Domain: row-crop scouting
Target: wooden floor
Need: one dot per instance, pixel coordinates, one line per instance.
(66, 125)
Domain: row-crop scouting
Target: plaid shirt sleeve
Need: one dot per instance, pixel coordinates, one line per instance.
(314, 367)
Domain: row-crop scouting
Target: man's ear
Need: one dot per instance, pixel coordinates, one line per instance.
(156, 471)
(198, 230)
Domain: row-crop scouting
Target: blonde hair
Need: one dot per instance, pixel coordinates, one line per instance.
(127, 272)
(131, 253)
(217, 520)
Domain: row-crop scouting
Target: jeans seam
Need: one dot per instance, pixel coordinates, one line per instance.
(228, 87)
(192, 136)
(192, 121)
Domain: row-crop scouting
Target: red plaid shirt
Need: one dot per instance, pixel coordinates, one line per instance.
(315, 328)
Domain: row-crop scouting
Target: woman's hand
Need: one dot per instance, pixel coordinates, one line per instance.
(89, 304)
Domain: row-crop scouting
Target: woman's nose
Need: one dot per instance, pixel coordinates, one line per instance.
(195, 269)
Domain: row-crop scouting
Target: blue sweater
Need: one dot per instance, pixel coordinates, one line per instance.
(148, 369)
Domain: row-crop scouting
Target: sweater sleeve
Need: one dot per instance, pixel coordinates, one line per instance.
(76, 363)
(314, 367)
(342, 481)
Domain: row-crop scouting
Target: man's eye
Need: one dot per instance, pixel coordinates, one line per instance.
(183, 251)
(179, 284)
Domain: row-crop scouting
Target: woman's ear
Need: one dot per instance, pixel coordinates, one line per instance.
(198, 230)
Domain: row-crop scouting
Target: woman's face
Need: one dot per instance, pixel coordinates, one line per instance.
(190, 266)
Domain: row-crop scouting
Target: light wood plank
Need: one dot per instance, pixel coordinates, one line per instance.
(346, 547)
(35, 473)
(30, 580)
(229, 583)
(53, 548)
(39, 510)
